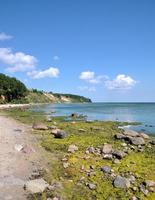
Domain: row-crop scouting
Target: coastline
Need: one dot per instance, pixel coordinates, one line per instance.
(79, 160)
(7, 106)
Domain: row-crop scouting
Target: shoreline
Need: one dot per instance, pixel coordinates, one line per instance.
(91, 149)
(7, 106)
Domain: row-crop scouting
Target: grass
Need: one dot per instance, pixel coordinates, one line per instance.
(73, 179)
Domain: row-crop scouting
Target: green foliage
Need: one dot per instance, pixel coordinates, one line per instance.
(11, 88)
(37, 91)
(37, 97)
(75, 98)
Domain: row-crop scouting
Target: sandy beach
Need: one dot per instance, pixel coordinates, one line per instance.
(16, 166)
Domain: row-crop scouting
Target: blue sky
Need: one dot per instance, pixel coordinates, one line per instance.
(102, 49)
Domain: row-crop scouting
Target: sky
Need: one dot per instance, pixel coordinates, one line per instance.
(101, 49)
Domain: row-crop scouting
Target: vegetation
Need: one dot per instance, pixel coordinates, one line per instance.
(73, 180)
(11, 89)
(14, 91)
(75, 98)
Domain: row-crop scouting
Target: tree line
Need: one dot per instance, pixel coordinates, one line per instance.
(11, 88)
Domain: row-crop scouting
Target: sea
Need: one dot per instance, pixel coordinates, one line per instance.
(125, 112)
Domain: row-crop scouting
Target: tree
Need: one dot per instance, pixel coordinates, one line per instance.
(11, 88)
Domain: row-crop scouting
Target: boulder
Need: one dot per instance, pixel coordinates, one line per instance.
(72, 148)
(107, 149)
(91, 149)
(136, 141)
(152, 142)
(59, 133)
(119, 154)
(120, 136)
(121, 182)
(130, 133)
(150, 183)
(39, 126)
(91, 186)
(108, 156)
(75, 115)
(52, 127)
(36, 186)
(144, 190)
(106, 169)
(144, 136)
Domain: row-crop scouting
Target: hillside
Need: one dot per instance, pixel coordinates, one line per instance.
(35, 96)
(14, 91)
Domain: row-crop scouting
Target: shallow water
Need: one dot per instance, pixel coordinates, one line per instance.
(139, 112)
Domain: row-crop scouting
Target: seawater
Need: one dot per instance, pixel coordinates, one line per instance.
(130, 112)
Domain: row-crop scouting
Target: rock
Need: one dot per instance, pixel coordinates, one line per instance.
(55, 131)
(17, 130)
(37, 174)
(130, 133)
(18, 147)
(72, 148)
(152, 142)
(59, 133)
(91, 149)
(55, 198)
(106, 169)
(96, 128)
(55, 186)
(134, 198)
(66, 165)
(64, 159)
(27, 149)
(74, 115)
(150, 183)
(134, 188)
(107, 149)
(39, 126)
(91, 173)
(107, 156)
(136, 141)
(82, 130)
(144, 136)
(144, 190)
(123, 144)
(49, 119)
(36, 186)
(121, 182)
(119, 154)
(116, 161)
(132, 179)
(52, 127)
(120, 136)
(91, 186)
(151, 189)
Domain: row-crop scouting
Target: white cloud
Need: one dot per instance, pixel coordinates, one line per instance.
(4, 36)
(121, 82)
(90, 77)
(17, 61)
(56, 58)
(50, 73)
(86, 88)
